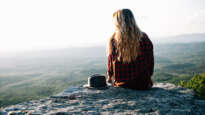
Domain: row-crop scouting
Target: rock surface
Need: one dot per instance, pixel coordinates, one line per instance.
(163, 98)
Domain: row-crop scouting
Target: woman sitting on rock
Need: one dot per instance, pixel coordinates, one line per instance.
(130, 54)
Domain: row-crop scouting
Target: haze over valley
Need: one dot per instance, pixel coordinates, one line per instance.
(33, 75)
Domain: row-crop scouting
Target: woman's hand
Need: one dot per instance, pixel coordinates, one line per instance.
(109, 79)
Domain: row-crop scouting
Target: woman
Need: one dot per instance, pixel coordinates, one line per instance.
(130, 54)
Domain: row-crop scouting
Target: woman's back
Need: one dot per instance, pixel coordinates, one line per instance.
(136, 74)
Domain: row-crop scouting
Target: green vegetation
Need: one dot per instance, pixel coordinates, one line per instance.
(23, 93)
(197, 83)
(166, 77)
(176, 62)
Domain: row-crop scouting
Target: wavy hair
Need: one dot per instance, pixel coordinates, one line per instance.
(127, 36)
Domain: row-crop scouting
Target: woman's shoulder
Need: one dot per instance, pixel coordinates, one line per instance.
(112, 37)
(144, 35)
(146, 40)
(112, 40)
(111, 44)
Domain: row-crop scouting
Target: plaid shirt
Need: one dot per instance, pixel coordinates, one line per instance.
(136, 74)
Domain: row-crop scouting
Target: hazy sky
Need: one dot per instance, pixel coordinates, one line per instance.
(46, 24)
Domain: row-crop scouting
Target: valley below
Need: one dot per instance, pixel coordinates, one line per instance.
(35, 75)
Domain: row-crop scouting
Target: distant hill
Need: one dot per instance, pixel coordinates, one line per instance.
(185, 38)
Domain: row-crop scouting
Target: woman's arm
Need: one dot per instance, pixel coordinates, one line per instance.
(150, 56)
(109, 69)
(109, 64)
(151, 59)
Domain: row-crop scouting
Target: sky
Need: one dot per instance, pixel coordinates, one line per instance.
(50, 24)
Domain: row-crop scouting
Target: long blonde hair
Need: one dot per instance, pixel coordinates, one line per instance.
(127, 36)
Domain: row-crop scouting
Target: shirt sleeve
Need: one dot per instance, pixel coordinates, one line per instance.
(150, 57)
(110, 66)
(110, 57)
(151, 62)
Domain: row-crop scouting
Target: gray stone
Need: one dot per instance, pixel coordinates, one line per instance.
(61, 113)
(163, 98)
(200, 102)
(12, 109)
(35, 113)
(3, 113)
(16, 113)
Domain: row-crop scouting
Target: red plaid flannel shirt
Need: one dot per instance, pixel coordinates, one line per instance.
(136, 74)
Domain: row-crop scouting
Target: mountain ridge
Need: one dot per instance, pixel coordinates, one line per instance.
(182, 38)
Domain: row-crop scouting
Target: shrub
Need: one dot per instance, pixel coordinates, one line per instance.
(197, 83)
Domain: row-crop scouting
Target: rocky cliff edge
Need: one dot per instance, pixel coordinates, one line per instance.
(163, 98)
